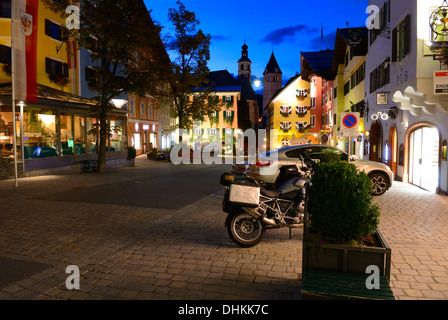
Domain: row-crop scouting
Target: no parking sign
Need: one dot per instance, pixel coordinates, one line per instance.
(350, 124)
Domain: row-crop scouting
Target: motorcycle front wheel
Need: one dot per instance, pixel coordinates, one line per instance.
(245, 230)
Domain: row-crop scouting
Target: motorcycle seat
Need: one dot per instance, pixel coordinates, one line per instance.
(270, 193)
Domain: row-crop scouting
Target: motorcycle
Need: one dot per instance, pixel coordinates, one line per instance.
(253, 209)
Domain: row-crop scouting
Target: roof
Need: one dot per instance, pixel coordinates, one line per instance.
(356, 38)
(317, 62)
(279, 92)
(272, 66)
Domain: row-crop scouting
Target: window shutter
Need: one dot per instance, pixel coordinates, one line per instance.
(394, 45)
(48, 27)
(48, 66)
(64, 70)
(407, 35)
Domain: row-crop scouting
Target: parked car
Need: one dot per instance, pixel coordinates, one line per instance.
(380, 174)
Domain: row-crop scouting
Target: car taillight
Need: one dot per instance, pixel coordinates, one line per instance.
(262, 163)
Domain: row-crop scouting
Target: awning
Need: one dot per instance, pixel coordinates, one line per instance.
(51, 96)
(414, 101)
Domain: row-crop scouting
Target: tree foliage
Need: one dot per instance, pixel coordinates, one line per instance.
(126, 49)
(190, 47)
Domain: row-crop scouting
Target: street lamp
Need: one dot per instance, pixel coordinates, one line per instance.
(119, 103)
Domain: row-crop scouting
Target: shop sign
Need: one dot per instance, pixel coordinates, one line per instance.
(440, 82)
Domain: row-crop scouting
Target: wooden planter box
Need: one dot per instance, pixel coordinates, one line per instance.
(346, 258)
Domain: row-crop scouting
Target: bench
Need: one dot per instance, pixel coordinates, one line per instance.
(334, 285)
(89, 165)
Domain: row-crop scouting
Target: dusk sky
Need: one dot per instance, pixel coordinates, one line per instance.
(286, 27)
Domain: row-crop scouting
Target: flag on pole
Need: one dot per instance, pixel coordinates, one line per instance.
(25, 49)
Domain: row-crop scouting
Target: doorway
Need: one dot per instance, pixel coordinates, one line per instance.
(376, 142)
(424, 158)
(393, 147)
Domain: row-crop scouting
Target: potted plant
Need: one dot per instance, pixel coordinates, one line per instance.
(132, 154)
(341, 228)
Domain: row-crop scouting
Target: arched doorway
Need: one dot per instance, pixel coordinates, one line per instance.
(424, 147)
(393, 149)
(376, 142)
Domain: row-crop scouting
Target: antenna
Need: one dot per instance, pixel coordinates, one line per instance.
(321, 36)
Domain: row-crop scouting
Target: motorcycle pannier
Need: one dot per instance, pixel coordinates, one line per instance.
(244, 195)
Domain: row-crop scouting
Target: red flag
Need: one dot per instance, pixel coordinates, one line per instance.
(25, 49)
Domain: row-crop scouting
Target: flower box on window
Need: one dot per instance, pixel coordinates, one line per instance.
(301, 94)
(301, 111)
(285, 110)
(285, 126)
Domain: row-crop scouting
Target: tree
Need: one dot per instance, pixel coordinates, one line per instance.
(125, 44)
(189, 69)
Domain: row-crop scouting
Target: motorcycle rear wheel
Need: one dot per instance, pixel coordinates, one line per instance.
(245, 230)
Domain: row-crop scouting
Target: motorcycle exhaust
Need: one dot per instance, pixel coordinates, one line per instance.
(258, 216)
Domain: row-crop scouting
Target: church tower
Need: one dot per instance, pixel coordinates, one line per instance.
(272, 80)
(244, 64)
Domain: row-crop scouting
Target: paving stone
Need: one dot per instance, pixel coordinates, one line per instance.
(126, 252)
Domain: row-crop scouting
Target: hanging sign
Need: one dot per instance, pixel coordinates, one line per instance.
(440, 82)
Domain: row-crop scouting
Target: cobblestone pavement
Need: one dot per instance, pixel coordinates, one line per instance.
(126, 252)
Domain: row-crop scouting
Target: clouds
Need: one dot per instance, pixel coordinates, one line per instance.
(280, 35)
(218, 38)
(318, 43)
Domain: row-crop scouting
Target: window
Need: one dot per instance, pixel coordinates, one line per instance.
(381, 76)
(149, 111)
(285, 110)
(315, 153)
(313, 121)
(142, 110)
(80, 135)
(53, 30)
(401, 40)
(313, 103)
(347, 88)
(335, 95)
(41, 133)
(5, 54)
(301, 110)
(383, 20)
(5, 8)
(301, 126)
(358, 76)
(285, 126)
(56, 68)
(90, 76)
(132, 108)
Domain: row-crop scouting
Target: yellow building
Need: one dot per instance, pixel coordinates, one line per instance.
(53, 125)
(349, 84)
(52, 55)
(288, 112)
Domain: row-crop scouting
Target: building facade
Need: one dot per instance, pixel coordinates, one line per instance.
(407, 105)
(52, 120)
(316, 68)
(349, 95)
(288, 113)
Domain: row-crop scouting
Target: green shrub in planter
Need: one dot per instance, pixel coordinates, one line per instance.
(340, 202)
(132, 153)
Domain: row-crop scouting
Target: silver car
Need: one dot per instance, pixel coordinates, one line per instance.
(380, 174)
